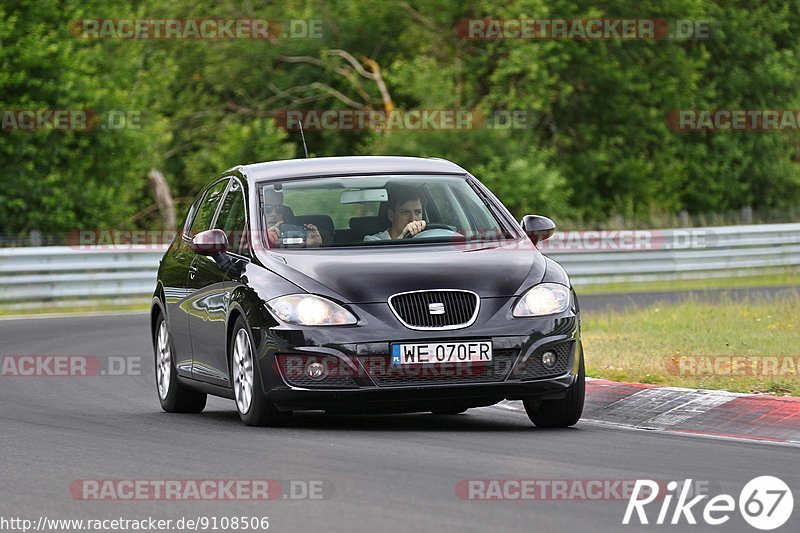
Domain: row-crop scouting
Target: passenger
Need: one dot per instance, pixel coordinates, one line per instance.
(275, 213)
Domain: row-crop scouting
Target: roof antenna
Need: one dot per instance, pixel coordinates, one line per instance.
(305, 148)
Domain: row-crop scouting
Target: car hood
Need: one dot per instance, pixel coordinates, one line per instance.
(373, 274)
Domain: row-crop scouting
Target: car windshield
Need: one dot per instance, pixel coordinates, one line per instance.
(375, 210)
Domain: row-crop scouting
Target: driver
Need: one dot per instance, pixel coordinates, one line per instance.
(405, 214)
(274, 212)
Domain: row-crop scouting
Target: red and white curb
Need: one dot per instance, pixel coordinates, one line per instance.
(708, 413)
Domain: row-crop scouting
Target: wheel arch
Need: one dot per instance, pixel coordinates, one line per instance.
(157, 307)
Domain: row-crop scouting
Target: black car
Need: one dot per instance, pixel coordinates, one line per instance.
(363, 285)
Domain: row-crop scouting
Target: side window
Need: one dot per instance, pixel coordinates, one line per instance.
(480, 218)
(232, 220)
(208, 206)
(446, 205)
(187, 224)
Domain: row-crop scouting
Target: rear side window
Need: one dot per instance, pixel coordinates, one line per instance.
(208, 206)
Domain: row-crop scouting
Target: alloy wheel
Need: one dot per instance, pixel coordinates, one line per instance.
(243, 371)
(164, 360)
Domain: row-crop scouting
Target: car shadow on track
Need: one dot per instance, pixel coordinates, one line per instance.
(475, 420)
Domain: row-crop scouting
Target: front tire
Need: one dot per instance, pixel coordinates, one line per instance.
(251, 402)
(560, 413)
(173, 396)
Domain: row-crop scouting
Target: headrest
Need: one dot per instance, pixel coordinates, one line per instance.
(322, 222)
(368, 225)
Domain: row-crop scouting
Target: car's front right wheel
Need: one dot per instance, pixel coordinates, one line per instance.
(560, 413)
(253, 406)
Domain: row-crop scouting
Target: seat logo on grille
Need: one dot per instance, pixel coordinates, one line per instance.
(436, 308)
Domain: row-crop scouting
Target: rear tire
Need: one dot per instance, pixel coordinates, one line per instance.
(560, 413)
(173, 396)
(251, 402)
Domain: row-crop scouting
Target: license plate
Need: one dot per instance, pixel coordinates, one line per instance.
(442, 352)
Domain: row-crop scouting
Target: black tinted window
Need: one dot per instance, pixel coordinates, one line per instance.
(231, 218)
(208, 206)
(187, 225)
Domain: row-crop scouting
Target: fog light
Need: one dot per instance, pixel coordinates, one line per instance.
(549, 359)
(316, 370)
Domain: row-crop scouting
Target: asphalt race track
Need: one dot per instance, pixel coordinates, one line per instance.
(380, 473)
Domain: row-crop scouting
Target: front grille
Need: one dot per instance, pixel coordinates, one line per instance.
(534, 369)
(414, 309)
(324, 383)
(380, 369)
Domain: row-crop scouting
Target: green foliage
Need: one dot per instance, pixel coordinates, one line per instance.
(594, 144)
(57, 180)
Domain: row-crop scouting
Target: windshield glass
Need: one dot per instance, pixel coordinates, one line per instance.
(375, 210)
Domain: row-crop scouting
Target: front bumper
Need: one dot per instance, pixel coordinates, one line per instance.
(367, 387)
(416, 399)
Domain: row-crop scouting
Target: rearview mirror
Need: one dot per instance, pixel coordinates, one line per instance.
(363, 195)
(210, 242)
(538, 228)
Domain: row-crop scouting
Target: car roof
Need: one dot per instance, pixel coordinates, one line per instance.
(350, 165)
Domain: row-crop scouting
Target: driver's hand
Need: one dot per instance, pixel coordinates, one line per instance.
(412, 228)
(274, 234)
(313, 238)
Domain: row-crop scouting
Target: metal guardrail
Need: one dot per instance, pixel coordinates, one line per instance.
(698, 253)
(62, 272)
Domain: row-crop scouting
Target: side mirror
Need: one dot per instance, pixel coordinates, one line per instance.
(210, 242)
(538, 228)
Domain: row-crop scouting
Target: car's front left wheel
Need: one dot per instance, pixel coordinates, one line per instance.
(253, 406)
(560, 413)
(173, 396)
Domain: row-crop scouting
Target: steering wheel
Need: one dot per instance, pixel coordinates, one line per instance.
(433, 226)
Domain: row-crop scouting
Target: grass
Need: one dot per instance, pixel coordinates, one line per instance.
(789, 277)
(677, 345)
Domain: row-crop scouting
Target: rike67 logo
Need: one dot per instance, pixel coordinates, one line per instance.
(765, 503)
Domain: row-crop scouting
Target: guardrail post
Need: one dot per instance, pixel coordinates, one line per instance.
(747, 214)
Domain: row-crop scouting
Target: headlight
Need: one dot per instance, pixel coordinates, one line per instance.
(543, 299)
(310, 310)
